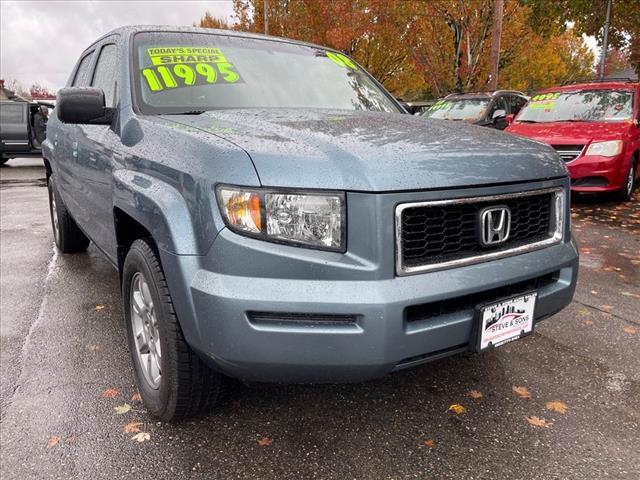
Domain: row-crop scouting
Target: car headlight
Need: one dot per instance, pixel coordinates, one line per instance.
(302, 218)
(605, 149)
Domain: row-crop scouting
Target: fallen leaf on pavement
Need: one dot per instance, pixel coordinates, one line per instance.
(265, 441)
(132, 427)
(141, 437)
(457, 409)
(429, 443)
(475, 394)
(122, 409)
(110, 393)
(629, 294)
(136, 398)
(557, 406)
(53, 441)
(100, 307)
(606, 307)
(539, 422)
(630, 330)
(522, 392)
(93, 348)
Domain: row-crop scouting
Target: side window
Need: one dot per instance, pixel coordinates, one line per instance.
(105, 74)
(516, 103)
(499, 104)
(80, 79)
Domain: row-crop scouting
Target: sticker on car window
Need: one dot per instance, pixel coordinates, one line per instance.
(179, 67)
(544, 101)
(439, 105)
(341, 60)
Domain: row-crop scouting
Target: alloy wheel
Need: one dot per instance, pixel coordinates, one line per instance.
(145, 330)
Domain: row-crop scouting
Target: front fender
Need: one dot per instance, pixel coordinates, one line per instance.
(158, 207)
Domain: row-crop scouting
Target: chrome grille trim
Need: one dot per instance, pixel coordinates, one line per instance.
(556, 231)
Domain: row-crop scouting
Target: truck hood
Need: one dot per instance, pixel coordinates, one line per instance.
(570, 133)
(372, 151)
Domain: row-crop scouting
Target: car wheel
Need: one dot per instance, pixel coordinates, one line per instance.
(626, 192)
(66, 233)
(173, 381)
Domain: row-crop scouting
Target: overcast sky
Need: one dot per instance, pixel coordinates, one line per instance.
(40, 41)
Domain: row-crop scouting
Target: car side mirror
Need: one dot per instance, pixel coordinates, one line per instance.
(498, 115)
(510, 118)
(83, 105)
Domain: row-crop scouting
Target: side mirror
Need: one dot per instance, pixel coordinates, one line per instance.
(498, 115)
(83, 105)
(510, 118)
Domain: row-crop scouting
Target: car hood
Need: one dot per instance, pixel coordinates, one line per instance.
(570, 133)
(373, 151)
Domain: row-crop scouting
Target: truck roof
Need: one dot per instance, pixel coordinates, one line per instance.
(133, 29)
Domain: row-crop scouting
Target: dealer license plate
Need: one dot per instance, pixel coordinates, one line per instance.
(505, 321)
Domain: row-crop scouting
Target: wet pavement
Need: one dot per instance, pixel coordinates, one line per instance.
(65, 367)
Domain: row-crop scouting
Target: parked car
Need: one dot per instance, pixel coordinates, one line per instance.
(486, 109)
(595, 128)
(274, 217)
(22, 128)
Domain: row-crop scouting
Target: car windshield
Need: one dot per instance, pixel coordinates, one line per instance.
(579, 106)
(192, 72)
(458, 109)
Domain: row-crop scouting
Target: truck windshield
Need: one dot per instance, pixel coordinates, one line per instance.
(579, 106)
(191, 72)
(458, 109)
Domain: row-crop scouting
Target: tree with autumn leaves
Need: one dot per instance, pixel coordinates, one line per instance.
(420, 48)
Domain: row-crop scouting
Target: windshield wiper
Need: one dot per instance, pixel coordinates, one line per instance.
(527, 121)
(191, 112)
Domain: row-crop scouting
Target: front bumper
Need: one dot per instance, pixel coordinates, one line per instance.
(261, 328)
(597, 174)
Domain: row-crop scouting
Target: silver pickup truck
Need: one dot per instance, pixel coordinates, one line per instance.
(275, 215)
(22, 128)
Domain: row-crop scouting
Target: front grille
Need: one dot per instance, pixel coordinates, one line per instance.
(450, 306)
(568, 153)
(441, 232)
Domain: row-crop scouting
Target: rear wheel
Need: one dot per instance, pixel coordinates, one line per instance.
(626, 192)
(173, 382)
(68, 236)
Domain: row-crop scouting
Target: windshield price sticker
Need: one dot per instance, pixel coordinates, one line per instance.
(341, 60)
(545, 101)
(179, 67)
(439, 105)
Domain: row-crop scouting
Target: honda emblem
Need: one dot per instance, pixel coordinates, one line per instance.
(495, 225)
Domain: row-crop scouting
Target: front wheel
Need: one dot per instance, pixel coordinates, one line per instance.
(625, 194)
(173, 382)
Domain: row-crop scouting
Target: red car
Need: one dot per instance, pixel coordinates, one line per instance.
(595, 128)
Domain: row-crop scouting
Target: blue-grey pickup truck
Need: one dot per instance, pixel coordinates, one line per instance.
(275, 215)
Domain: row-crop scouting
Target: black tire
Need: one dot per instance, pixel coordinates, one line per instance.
(186, 386)
(626, 193)
(67, 235)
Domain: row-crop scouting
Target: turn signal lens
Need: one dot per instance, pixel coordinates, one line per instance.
(242, 209)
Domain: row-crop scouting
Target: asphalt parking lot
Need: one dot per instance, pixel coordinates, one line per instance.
(561, 404)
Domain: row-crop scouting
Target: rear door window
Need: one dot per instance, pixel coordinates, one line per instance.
(105, 73)
(80, 80)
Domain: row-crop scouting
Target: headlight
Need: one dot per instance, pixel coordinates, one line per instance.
(605, 149)
(311, 219)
